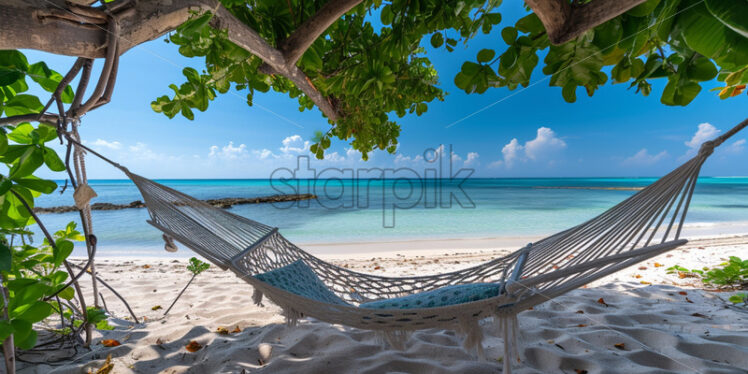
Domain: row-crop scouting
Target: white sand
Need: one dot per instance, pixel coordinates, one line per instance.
(665, 326)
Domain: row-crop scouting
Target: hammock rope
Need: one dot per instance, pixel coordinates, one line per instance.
(642, 226)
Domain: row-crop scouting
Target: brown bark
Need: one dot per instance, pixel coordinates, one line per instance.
(32, 24)
(565, 21)
(303, 37)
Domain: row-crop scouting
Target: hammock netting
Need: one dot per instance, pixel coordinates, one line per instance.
(644, 225)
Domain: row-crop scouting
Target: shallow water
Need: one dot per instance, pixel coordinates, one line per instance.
(401, 209)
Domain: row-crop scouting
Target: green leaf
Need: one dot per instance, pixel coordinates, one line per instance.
(58, 277)
(67, 294)
(732, 13)
(192, 75)
(52, 160)
(530, 24)
(644, 9)
(6, 258)
(3, 142)
(679, 92)
(701, 69)
(509, 34)
(104, 325)
(63, 249)
(36, 312)
(9, 76)
(608, 34)
(14, 60)
(437, 40)
(49, 80)
(195, 25)
(36, 184)
(22, 104)
(31, 160)
(24, 336)
(569, 92)
(5, 329)
(28, 342)
(5, 185)
(46, 133)
(486, 55)
(702, 32)
(22, 133)
(387, 16)
(196, 266)
(94, 315)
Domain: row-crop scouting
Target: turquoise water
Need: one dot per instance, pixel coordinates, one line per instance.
(376, 210)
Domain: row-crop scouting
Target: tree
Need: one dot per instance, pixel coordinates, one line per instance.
(329, 54)
(332, 55)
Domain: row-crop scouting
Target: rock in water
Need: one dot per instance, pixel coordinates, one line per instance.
(224, 203)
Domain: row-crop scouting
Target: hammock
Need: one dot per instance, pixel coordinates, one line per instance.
(645, 225)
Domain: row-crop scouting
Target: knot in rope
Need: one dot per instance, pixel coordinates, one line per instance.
(707, 148)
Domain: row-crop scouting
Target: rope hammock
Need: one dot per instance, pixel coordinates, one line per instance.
(644, 225)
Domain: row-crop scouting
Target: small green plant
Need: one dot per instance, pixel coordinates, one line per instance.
(740, 298)
(683, 272)
(734, 272)
(195, 267)
(96, 317)
(30, 276)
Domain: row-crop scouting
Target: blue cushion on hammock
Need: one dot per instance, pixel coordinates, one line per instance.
(297, 278)
(450, 295)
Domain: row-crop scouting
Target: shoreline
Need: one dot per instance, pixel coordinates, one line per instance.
(394, 249)
(390, 247)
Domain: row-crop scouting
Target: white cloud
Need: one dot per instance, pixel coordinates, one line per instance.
(141, 151)
(643, 158)
(334, 157)
(229, 152)
(544, 147)
(736, 147)
(496, 164)
(544, 144)
(264, 154)
(294, 144)
(105, 144)
(512, 152)
(429, 158)
(472, 157)
(403, 159)
(705, 132)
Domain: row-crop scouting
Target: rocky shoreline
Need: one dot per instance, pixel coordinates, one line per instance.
(218, 203)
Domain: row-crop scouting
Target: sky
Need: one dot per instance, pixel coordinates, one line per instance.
(528, 132)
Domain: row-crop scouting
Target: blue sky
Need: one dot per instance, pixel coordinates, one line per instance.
(527, 133)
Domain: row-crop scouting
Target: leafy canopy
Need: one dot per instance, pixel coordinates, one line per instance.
(375, 70)
(30, 273)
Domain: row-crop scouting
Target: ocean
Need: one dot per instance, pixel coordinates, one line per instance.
(394, 210)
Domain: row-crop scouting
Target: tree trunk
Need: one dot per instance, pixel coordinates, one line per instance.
(180, 294)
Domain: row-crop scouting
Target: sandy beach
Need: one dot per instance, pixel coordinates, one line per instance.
(650, 322)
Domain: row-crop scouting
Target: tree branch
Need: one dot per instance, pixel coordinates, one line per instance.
(30, 24)
(49, 119)
(303, 37)
(564, 21)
